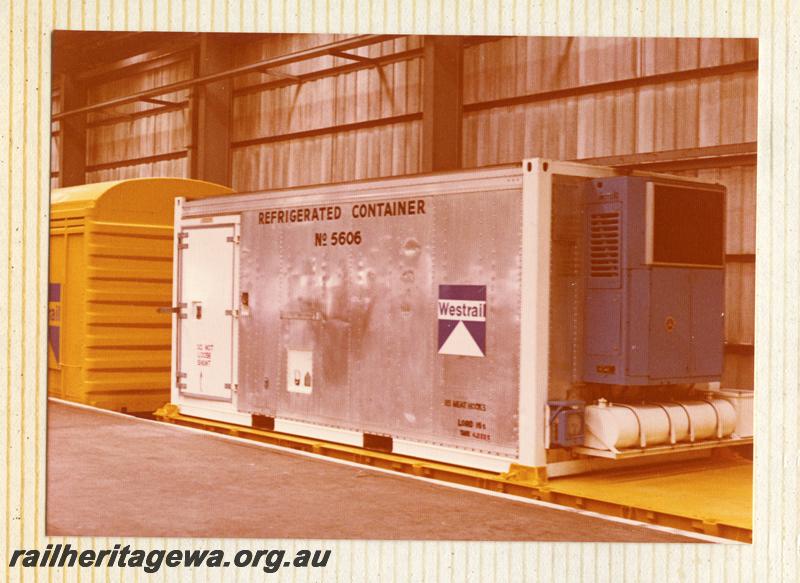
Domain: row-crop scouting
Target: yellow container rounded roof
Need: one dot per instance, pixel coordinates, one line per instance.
(147, 200)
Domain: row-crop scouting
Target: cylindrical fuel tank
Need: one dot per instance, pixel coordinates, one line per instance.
(619, 426)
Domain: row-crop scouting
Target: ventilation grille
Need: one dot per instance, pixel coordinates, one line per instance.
(604, 244)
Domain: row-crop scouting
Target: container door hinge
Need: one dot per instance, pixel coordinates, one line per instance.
(178, 376)
(181, 236)
(234, 239)
(232, 387)
(233, 313)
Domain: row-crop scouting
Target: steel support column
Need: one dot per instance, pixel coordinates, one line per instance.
(212, 113)
(72, 143)
(441, 103)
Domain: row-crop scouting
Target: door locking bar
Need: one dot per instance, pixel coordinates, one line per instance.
(172, 310)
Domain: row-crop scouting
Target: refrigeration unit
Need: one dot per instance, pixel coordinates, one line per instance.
(547, 315)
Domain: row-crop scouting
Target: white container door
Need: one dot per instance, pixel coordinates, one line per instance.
(207, 292)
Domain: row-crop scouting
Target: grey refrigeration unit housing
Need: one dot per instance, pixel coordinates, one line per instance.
(655, 284)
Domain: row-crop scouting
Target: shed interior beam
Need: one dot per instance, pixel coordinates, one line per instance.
(725, 155)
(616, 85)
(352, 57)
(111, 118)
(163, 102)
(330, 72)
(271, 63)
(280, 75)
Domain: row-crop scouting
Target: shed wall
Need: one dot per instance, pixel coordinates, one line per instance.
(559, 97)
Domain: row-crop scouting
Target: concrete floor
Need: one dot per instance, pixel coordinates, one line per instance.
(114, 476)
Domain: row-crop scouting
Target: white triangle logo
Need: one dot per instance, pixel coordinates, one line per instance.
(461, 343)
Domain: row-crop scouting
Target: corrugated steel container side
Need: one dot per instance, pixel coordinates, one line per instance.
(376, 367)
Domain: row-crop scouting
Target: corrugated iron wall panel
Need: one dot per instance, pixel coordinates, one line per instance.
(264, 118)
(739, 274)
(178, 168)
(116, 136)
(665, 115)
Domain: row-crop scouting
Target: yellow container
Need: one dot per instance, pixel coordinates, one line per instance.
(110, 271)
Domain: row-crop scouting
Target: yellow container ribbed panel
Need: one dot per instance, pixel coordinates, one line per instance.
(110, 269)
